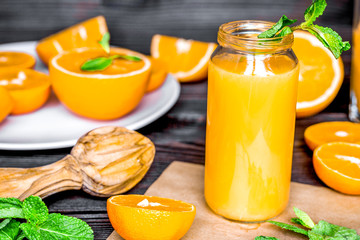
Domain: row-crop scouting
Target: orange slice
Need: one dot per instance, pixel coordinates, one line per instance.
(102, 95)
(84, 34)
(158, 74)
(326, 132)
(28, 88)
(337, 164)
(187, 60)
(15, 60)
(321, 75)
(6, 103)
(137, 217)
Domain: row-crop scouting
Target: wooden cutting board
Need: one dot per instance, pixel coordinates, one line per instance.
(184, 181)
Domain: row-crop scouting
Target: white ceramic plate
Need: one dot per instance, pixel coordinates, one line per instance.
(53, 126)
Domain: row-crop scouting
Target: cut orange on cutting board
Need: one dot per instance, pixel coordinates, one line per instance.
(6, 103)
(321, 75)
(326, 132)
(16, 60)
(103, 95)
(187, 60)
(84, 34)
(158, 74)
(337, 164)
(142, 217)
(28, 88)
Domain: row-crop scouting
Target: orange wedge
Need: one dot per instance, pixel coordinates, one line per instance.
(187, 60)
(16, 60)
(326, 132)
(102, 95)
(6, 103)
(321, 75)
(158, 74)
(142, 217)
(28, 88)
(337, 164)
(84, 34)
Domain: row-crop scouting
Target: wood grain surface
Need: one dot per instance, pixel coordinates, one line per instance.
(180, 133)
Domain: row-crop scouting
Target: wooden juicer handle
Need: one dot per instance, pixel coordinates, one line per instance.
(104, 162)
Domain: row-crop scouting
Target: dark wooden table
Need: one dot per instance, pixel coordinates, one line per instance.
(180, 134)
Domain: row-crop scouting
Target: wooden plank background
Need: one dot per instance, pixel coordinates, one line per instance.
(180, 134)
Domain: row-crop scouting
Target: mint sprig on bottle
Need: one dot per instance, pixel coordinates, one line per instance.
(331, 39)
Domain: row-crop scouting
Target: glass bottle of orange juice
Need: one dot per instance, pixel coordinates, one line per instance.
(252, 90)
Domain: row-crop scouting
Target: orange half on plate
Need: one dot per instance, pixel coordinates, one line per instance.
(106, 94)
(16, 60)
(28, 88)
(84, 34)
(186, 59)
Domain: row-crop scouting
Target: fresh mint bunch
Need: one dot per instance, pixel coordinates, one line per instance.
(39, 224)
(320, 231)
(101, 63)
(327, 36)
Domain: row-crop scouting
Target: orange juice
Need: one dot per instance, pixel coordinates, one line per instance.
(250, 128)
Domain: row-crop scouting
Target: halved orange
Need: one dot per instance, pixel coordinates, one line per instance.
(142, 217)
(321, 75)
(102, 95)
(187, 60)
(6, 103)
(84, 34)
(337, 164)
(28, 88)
(16, 60)
(158, 74)
(326, 132)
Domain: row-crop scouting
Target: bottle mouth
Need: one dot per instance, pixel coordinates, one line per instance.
(242, 35)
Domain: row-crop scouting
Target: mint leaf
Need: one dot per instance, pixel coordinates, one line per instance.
(285, 31)
(63, 227)
(315, 10)
(11, 208)
(30, 231)
(283, 21)
(325, 230)
(101, 63)
(265, 238)
(21, 236)
(10, 231)
(105, 42)
(4, 223)
(127, 57)
(330, 39)
(97, 64)
(35, 210)
(290, 227)
(304, 219)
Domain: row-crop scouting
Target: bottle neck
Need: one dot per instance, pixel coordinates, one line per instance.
(242, 36)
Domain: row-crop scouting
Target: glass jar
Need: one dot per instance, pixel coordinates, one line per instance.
(354, 107)
(252, 91)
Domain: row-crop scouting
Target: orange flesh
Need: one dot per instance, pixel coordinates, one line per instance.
(344, 159)
(326, 132)
(249, 135)
(158, 74)
(316, 75)
(16, 60)
(74, 60)
(84, 34)
(167, 204)
(6, 103)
